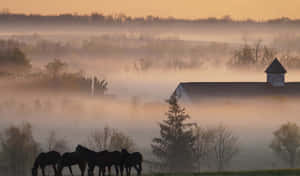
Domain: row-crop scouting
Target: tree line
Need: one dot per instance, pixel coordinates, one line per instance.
(15, 64)
(120, 18)
(148, 52)
(259, 55)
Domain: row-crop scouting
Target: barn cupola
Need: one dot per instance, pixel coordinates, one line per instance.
(275, 74)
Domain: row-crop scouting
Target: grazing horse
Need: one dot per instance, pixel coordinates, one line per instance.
(114, 159)
(46, 159)
(101, 161)
(132, 160)
(70, 159)
(93, 159)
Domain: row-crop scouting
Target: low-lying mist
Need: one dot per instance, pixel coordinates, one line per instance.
(138, 105)
(142, 72)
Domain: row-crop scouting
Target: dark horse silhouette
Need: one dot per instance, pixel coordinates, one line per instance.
(114, 159)
(93, 159)
(46, 159)
(70, 159)
(132, 160)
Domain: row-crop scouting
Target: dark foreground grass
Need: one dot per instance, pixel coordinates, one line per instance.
(275, 172)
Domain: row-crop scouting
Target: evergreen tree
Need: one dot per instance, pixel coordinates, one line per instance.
(175, 145)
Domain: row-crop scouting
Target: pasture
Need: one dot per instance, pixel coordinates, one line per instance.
(272, 172)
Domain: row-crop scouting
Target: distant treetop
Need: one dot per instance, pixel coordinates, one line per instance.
(13, 60)
(94, 18)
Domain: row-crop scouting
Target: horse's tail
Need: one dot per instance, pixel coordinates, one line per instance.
(141, 157)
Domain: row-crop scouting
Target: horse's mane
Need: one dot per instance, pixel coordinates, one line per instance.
(67, 154)
(37, 160)
(125, 151)
(80, 147)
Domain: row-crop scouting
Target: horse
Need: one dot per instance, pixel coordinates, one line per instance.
(114, 158)
(70, 159)
(93, 159)
(46, 159)
(132, 160)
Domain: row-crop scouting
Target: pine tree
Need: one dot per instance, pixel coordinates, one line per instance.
(174, 147)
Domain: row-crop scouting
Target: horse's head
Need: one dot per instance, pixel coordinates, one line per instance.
(79, 148)
(124, 151)
(34, 171)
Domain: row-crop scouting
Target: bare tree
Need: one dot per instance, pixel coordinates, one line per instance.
(99, 139)
(244, 56)
(268, 55)
(257, 49)
(225, 147)
(55, 67)
(119, 140)
(286, 143)
(55, 143)
(110, 139)
(143, 64)
(204, 144)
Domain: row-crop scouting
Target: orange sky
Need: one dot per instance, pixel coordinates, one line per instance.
(238, 9)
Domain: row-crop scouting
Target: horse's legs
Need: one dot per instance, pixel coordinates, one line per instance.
(60, 170)
(129, 171)
(121, 169)
(82, 167)
(101, 171)
(70, 169)
(137, 169)
(43, 171)
(55, 170)
(109, 170)
(117, 170)
(91, 170)
(140, 169)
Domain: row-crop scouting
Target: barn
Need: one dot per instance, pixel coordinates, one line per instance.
(275, 85)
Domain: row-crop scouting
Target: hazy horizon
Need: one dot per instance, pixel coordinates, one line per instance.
(238, 9)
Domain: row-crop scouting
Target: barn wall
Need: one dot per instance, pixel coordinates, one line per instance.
(276, 80)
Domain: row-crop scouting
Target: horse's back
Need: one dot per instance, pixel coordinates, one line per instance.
(137, 156)
(87, 154)
(48, 158)
(71, 158)
(114, 157)
(134, 159)
(52, 157)
(54, 154)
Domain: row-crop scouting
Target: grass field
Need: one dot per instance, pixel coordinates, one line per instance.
(275, 172)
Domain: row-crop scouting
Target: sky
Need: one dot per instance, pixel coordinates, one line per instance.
(238, 9)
